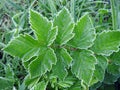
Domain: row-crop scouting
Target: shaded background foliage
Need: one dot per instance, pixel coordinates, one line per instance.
(14, 20)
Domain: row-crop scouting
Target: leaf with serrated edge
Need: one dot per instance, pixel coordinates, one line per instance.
(42, 63)
(59, 69)
(100, 68)
(68, 82)
(83, 65)
(65, 57)
(64, 62)
(24, 46)
(106, 43)
(43, 28)
(65, 26)
(30, 82)
(52, 36)
(40, 86)
(84, 33)
(26, 63)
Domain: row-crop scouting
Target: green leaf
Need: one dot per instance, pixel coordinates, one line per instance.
(64, 61)
(84, 33)
(106, 43)
(42, 28)
(113, 69)
(99, 69)
(115, 58)
(103, 11)
(5, 84)
(30, 82)
(110, 78)
(26, 63)
(52, 79)
(42, 63)
(65, 57)
(9, 72)
(68, 82)
(65, 26)
(52, 36)
(59, 69)
(114, 64)
(40, 86)
(95, 86)
(24, 46)
(83, 65)
(76, 86)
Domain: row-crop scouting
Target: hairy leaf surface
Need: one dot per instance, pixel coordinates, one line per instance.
(83, 65)
(107, 42)
(65, 57)
(68, 82)
(52, 36)
(42, 63)
(99, 69)
(84, 33)
(30, 82)
(64, 61)
(42, 28)
(65, 26)
(24, 46)
(59, 70)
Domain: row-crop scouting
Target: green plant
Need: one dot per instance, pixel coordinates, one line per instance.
(16, 22)
(63, 54)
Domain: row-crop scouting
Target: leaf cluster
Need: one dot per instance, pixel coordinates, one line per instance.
(63, 54)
